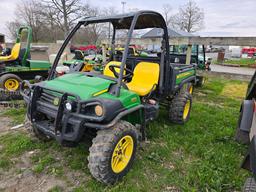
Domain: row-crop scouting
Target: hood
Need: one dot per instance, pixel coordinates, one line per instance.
(79, 84)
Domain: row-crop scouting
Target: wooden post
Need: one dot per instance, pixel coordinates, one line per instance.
(188, 56)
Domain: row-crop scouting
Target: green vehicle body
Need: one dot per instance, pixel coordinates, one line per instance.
(86, 86)
(66, 107)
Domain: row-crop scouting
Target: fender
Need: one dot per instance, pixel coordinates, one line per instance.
(246, 115)
(188, 80)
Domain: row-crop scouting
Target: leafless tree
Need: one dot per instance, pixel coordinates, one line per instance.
(26, 14)
(66, 12)
(167, 14)
(12, 27)
(190, 17)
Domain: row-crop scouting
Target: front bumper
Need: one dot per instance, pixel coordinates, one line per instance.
(56, 121)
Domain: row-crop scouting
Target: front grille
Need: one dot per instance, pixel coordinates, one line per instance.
(49, 97)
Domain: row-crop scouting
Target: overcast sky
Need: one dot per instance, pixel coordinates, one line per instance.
(222, 17)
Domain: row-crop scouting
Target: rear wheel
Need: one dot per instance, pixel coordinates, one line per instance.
(180, 108)
(250, 185)
(112, 152)
(10, 82)
(201, 81)
(190, 88)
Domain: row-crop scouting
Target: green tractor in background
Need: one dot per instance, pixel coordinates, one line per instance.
(15, 65)
(116, 106)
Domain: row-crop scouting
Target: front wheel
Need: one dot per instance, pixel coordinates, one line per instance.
(112, 152)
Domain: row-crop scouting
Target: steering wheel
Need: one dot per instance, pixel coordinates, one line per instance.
(127, 76)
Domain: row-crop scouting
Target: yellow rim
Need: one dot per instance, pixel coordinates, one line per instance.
(11, 84)
(186, 109)
(122, 154)
(191, 89)
(203, 80)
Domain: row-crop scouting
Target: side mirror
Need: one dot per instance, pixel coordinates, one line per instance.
(38, 78)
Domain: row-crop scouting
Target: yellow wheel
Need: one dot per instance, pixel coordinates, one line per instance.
(112, 152)
(11, 84)
(122, 154)
(191, 88)
(186, 109)
(180, 107)
(201, 80)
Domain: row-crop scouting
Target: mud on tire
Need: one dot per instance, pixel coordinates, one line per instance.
(178, 111)
(103, 147)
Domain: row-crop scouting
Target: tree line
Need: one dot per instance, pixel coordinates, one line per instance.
(51, 20)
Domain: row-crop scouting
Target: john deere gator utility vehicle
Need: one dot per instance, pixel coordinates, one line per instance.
(16, 65)
(116, 105)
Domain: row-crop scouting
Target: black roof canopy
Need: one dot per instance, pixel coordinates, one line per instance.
(146, 19)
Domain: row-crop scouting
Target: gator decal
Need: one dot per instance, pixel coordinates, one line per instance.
(184, 75)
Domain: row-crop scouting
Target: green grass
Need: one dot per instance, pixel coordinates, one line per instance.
(16, 114)
(243, 62)
(199, 156)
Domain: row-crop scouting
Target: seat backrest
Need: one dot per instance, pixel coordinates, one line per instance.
(146, 73)
(108, 72)
(15, 51)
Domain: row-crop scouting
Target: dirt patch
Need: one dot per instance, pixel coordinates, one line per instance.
(5, 124)
(28, 182)
(22, 179)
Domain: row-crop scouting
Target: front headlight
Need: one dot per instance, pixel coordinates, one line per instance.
(68, 106)
(98, 110)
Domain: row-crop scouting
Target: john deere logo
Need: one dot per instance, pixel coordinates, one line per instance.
(56, 101)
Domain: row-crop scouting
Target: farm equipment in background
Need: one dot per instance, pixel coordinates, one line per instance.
(116, 105)
(246, 133)
(178, 54)
(15, 65)
(85, 62)
(198, 57)
(85, 49)
(248, 52)
(132, 51)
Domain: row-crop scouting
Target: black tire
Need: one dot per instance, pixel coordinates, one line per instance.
(241, 136)
(39, 134)
(103, 147)
(200, 81)
(9, 76)
(250, 185)
(177, 108)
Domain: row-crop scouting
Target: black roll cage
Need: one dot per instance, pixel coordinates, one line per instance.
(131, 22)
